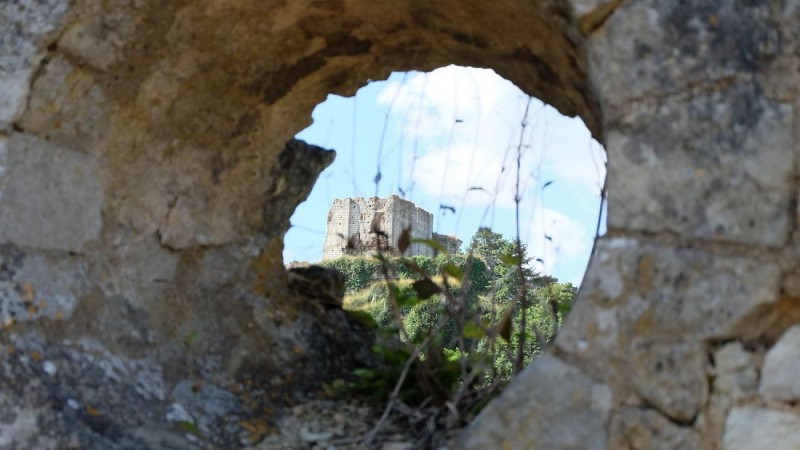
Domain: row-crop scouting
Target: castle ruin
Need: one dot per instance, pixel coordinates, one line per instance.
(143, 204)
(352, 221)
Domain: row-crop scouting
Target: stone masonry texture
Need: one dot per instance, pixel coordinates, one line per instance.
(353, 222)
(148, 174)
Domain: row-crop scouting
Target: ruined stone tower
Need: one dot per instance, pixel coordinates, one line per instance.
(351, 222)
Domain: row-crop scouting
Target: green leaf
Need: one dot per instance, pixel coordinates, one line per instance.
(405, 240)
(415, 267)
(189, 427)
(363, 318)
(454, 271)
(408, 300)
(504, 327)
(192, 336)
(564, 308)
(364, 373)
(473, 331)
(509, 260)
(426, 288)
(430, 243)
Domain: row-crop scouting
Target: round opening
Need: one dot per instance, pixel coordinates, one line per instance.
(461, 213)
(448, 141)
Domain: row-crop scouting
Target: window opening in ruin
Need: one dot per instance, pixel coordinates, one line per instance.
(471, 163)
(447, 141)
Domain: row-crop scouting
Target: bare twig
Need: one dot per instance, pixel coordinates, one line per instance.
(518, 363)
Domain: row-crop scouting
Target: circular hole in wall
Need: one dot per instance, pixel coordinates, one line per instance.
(490, 164)
(448, 141)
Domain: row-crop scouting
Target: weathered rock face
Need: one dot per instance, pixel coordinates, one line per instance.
(146, 184)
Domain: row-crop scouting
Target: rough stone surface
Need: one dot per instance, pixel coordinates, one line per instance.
(683, 184)
(98, 37)
(147, 177)
(734, 379)
(582, 403)
(26, 28)
(298, 161)
(52, 197)
(750, 427)
(66, 105)
(779, 380)
(352, 222)
(693, 43)
(35, 285)
(646, 309)
(638, 428)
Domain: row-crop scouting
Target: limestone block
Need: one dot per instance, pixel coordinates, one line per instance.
(34, 286)
(667, 291)
(782, 80)
(136, 267)
(641, 428)
(98, 39)
(124, 327)
(68, 397)
(3, 164)
(66, 105)
(25, 27)
(207, 407)
(292, 178)
(780, 378)
(25, 430)
(349, 228)
(715, 165)
(791, 16)
(644, 309)
(735, 373)
(749, 428)
(659, 48)
(592, 13)
(52, 197)
(551, 405)
(732, 357)
(734, 377)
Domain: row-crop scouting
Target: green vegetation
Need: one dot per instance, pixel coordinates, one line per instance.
(466, 322)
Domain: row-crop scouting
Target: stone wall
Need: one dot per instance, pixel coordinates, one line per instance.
(143, 200)
(352, 221)
(451, 244)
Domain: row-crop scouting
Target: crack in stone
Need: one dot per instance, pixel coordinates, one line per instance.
(592, 21)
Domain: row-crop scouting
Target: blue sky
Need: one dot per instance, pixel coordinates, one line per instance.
(451, 138)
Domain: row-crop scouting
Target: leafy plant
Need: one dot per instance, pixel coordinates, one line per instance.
(466, 322)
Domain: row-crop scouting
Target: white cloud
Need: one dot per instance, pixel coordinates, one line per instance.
(464, 125)
(567, 250)
(471, 118)
(470, 122)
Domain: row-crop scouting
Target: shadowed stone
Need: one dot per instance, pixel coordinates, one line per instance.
(779, 376)
(674, 171)
(576, 414)
(51, 196)
(66, 104)
(646, 308)
(749, 428)
(25, 28)
(640, 428)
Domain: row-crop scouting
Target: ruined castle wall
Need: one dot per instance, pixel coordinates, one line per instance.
(407, 214)
(350, 222)
(451, 244)
(343, 221)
